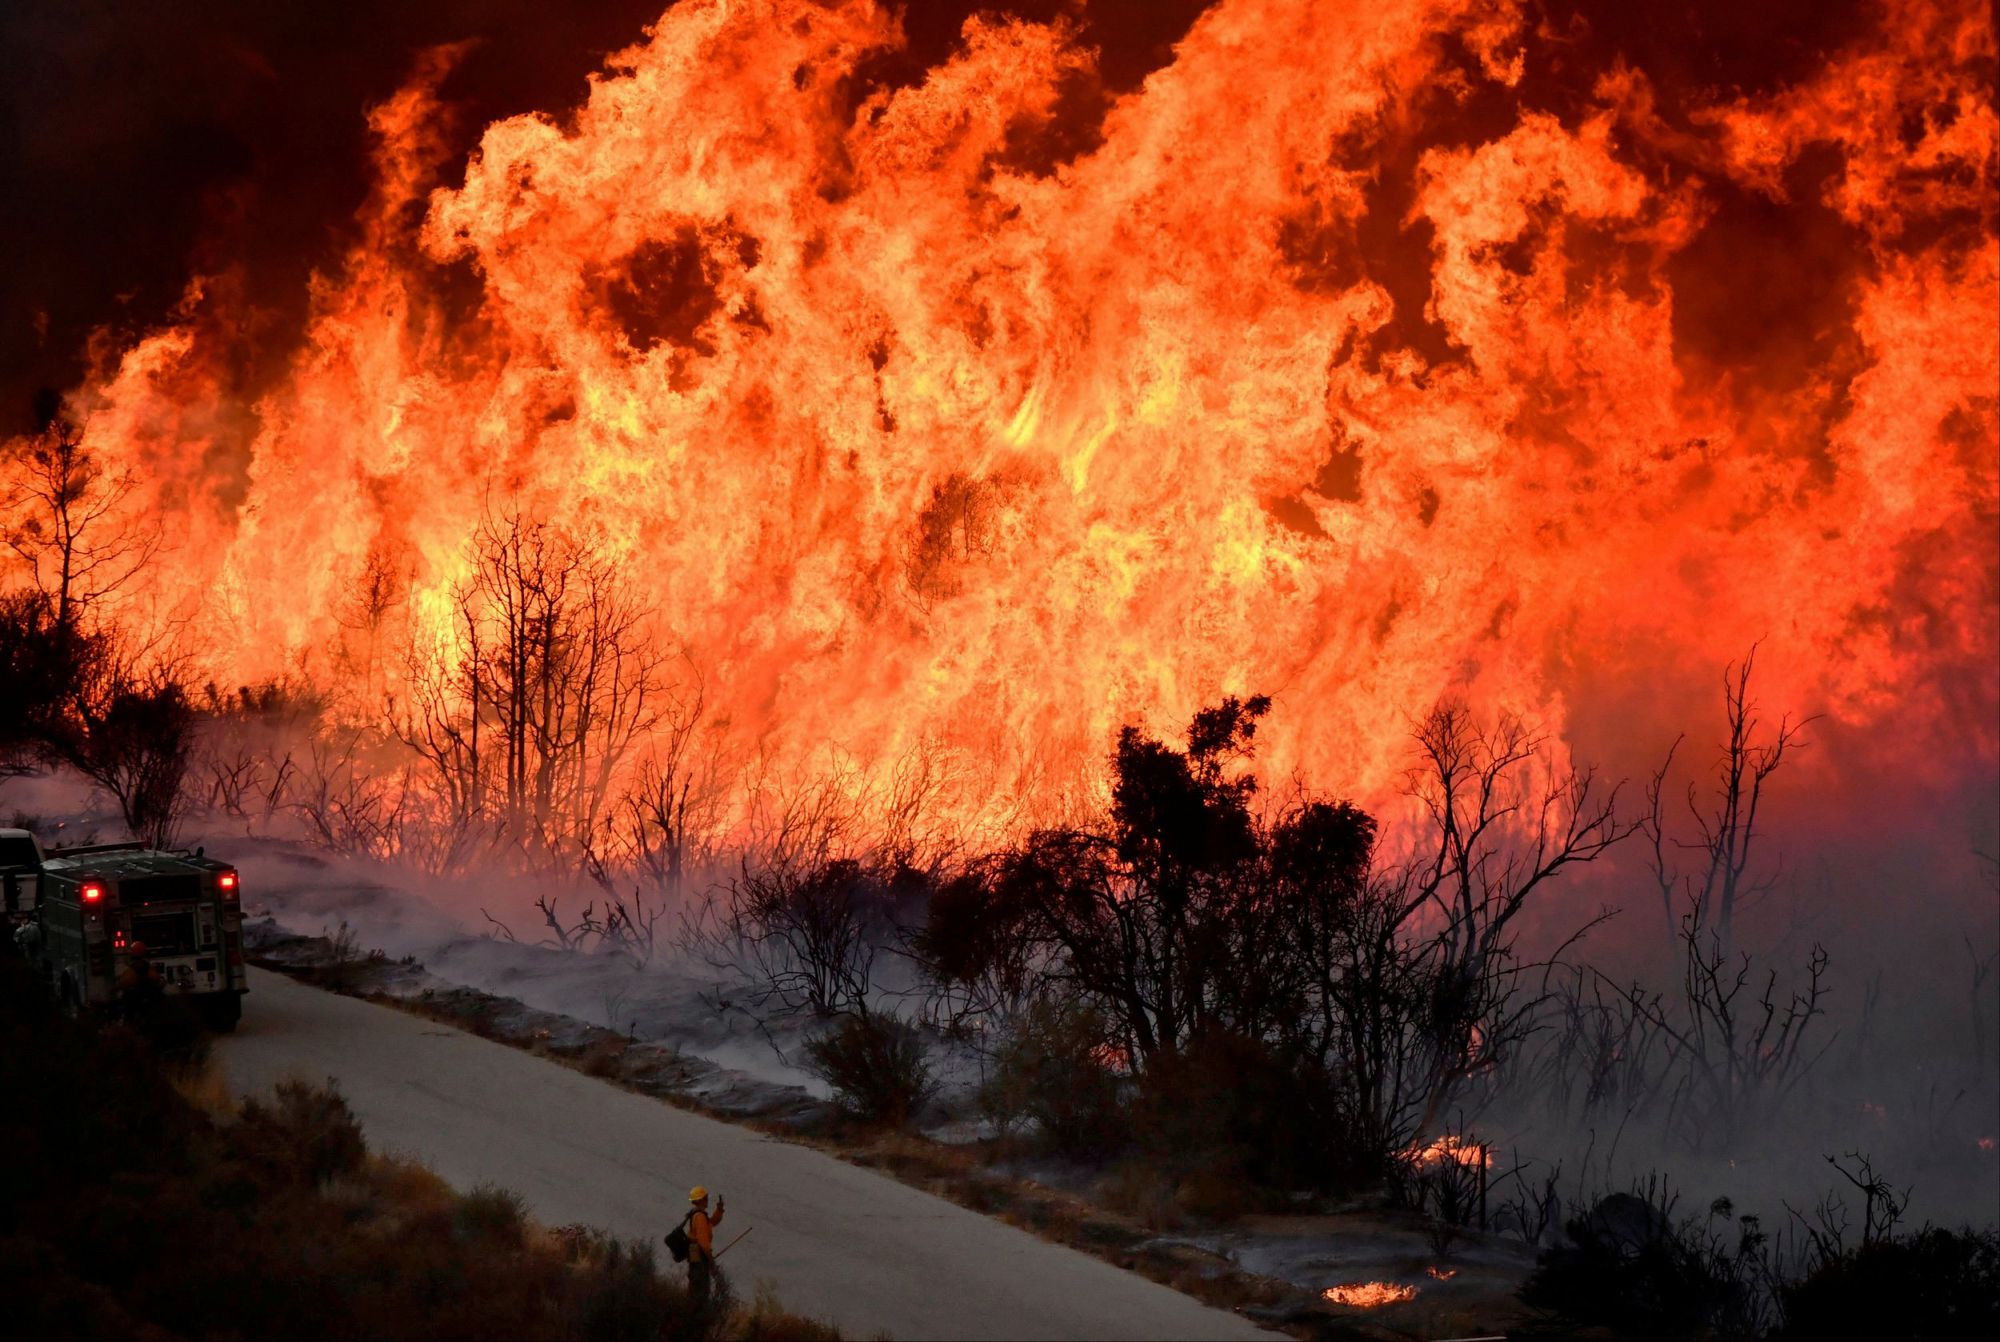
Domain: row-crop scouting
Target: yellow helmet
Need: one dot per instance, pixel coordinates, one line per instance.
(697, 1194)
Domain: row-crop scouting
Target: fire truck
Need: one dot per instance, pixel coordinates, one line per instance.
(110, 917)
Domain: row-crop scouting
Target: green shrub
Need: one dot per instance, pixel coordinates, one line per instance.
(876, 1067)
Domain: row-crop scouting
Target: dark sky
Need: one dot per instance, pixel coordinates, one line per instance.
(143, 140)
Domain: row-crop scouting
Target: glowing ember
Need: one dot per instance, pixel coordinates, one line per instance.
(1113, 1058)
(1453, 1149)
(1370, 1294)
(1442, 1273)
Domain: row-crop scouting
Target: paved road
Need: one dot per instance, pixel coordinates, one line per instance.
(836, 1241)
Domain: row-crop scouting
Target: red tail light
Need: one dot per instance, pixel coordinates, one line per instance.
(93, 893)
(226, 882)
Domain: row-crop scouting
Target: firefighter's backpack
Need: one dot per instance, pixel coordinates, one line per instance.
(677, 1239)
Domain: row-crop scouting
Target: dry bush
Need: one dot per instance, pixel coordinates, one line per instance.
(977, 966)
(1212, 1194)
(1240, 1106)
(618, 1295)
(491, 1215)
(1143, 1191)
(305, 1130)
(876, 1066)
(765, 1320)
(805, 935)
(341, 959)
(1633, 1268)
(1050, 1070)
(1527, 1208)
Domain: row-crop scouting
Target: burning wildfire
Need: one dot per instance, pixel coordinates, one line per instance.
(1450, 1148)
(1366, 353)
(1369, 1294)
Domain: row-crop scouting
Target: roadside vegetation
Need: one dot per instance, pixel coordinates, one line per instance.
(137, 1201)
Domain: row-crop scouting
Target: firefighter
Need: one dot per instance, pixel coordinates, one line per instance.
(701, 1244)
(163, 1019)
(139, 982)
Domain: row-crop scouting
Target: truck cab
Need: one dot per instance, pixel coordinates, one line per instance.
(21, 859)
(114, 917)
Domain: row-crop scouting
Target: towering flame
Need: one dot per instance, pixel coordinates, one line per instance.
(1340, 362)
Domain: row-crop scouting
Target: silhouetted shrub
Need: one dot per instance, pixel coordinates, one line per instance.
(1052, 1071)
(305, 1133)
(876, 1067)
(1934, 1283)
(1628, 1267)
(619, 1296)
(806, 932)
(1236, 1104)
(765, 1320)
(169, 1024)
(490, 1215)
(42, 663)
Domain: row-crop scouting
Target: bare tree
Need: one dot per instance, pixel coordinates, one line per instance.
(1743, 1051)
(1505, 821)
(354, 805)
(663, 821)
(528, 719)
(1882, 1208)
(1723, 880)
(61, 521)
(366, 617)
(1603, 1050)
(1735, 1042)
(133, 734)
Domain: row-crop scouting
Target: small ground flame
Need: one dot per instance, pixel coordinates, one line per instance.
(1370, 1294)
(1451, 1148)
(1442, 1273)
